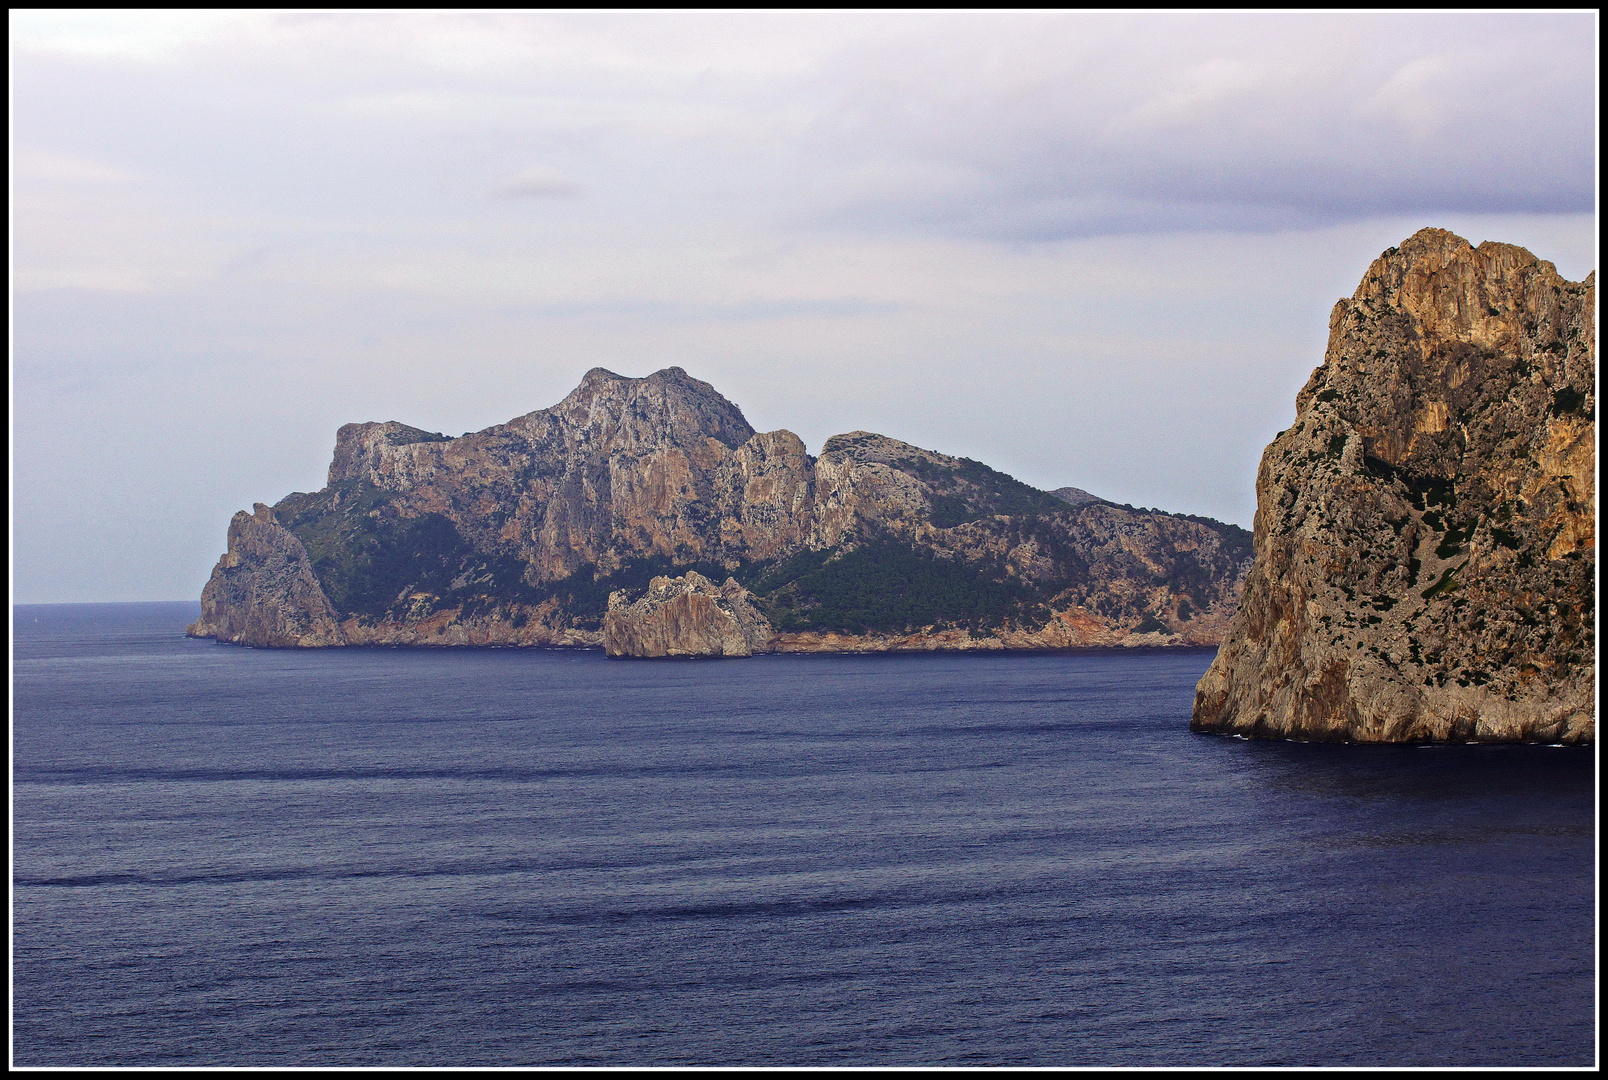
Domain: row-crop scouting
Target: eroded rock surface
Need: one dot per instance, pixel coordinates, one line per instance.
(263, 591)
(620, 468)
(1425, 531)
(686, 616)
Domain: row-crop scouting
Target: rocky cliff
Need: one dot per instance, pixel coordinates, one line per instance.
(521, 533)
(1425, 531)
(263, 591)
(686, 616)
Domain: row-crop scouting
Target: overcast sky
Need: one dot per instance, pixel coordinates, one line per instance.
(1096, 250)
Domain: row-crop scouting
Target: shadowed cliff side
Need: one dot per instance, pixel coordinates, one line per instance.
(1425, 531)
(264, 592)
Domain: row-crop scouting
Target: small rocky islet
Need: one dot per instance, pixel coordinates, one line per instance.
(1422, 566)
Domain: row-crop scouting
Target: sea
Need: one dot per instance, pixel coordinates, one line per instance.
(225, 856)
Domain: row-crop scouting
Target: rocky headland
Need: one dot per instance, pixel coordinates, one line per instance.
(1425, 531)
(606, 519)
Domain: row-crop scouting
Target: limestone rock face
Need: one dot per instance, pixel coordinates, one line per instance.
(264, 592)
(857, 484)
(765, 493)
(621, 467)
(686, 616)
(1425, 531)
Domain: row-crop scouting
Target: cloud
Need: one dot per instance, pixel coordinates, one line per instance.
(148, 36)
(536, 183)
(1050, 127)
(1011, 127)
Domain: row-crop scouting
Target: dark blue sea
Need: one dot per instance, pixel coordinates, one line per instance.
(228, 856)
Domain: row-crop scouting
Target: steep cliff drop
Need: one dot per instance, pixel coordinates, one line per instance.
(1425, 532)
(263, 591)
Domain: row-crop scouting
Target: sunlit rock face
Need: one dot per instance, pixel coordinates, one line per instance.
(519, 534)
(1425, 531)
(686, 616)
(621, 467)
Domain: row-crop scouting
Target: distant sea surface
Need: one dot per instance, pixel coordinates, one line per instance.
(228, 856)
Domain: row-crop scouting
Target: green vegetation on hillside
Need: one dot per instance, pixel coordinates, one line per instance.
(891, 587)
(971, 490)
(376, 558)
(1150, 624)
(370, 559)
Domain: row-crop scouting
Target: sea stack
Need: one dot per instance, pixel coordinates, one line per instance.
(686, 616)
(1425, 542)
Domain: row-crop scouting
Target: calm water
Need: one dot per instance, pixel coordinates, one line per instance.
(233, 856)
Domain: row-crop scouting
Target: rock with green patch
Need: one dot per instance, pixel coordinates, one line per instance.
(1425, 531)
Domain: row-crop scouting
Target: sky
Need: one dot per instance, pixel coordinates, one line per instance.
(1086, 249)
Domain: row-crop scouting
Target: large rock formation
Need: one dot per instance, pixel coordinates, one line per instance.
(686, 616)
(519, 534)
(1425, 532)
(264, 592)
(620, 468)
